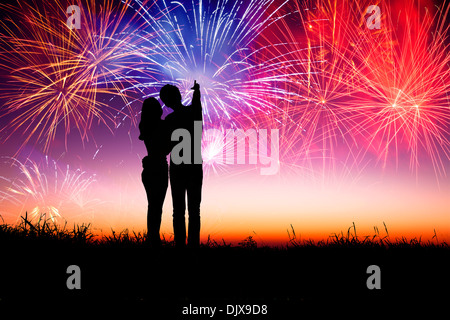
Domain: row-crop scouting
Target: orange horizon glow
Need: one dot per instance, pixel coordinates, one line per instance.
(266, 208)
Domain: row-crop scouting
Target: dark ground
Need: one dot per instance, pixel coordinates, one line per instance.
(292, 282)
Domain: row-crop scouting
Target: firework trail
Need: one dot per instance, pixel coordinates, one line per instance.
(57, 76)
(43, 189)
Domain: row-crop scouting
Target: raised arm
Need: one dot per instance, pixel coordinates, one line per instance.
(196, 103)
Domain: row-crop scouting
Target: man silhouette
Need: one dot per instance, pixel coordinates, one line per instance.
(185, 177)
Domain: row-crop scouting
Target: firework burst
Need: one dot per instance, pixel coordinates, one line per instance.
(43, 189)
(57, 76)
(404, 95)
(322, 113)
(216, 44)
(370, 91)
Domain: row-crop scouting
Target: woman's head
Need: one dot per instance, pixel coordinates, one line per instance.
(151, 110)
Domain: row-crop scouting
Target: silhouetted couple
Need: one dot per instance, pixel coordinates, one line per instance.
(186, 178)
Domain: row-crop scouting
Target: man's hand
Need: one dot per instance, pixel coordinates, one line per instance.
(196, 86)
(196, 103)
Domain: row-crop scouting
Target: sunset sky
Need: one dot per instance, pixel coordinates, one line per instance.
(362, 114)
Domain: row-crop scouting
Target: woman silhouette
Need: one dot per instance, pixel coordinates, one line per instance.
(155, 170)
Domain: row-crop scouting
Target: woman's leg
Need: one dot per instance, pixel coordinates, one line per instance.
(155, 184)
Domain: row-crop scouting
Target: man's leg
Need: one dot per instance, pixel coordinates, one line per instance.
(178, 188)
(194, 195)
